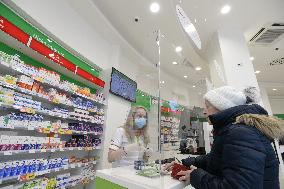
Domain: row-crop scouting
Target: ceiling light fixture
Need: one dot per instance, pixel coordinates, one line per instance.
(178, 49)
(198, 68)
(175, 63)
(155, 7)
(274, 89)
(251, 58)
(225, 9)
(193, 86)
(185, 76)
(257, 72)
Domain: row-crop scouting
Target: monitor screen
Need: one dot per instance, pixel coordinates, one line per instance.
(123, 86)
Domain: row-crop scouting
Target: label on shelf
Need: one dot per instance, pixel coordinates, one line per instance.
(79, 164)
(71, 148)
(7, 153)
(72, 165)
(43, 150)
(30, 128)
(56, 169)
(85, 132)
(73, 184)
(65, 167)
(80, 148)
(32, 151)
(52, 150)
(61, 149)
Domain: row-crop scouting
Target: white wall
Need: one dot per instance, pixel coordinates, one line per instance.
(277, 105)
(81, 26)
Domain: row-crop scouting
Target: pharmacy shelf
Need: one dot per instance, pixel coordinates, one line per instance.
(12, 71)
(40, 173)
(49, 114)
(34, 151)
(41, 98)
(73, 132)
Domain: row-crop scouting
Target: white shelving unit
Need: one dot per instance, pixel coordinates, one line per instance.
(80, 152)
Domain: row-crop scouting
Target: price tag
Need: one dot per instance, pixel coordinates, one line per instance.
(52, 150)
(72, 166)
(1, 181)
(57, 169)
(85, 132)
(80, 148)
(32, 151)
(43, 150)
(94, 162)
(71, 148)
(92, 178)
(66, 167)
(7, 153)
(73, 184)
(79, 164)
(61, 149)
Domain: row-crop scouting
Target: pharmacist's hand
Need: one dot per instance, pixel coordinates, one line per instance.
(185, 175)
(148, 152)
(168, 167)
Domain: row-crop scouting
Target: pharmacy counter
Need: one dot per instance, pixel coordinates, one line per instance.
(126, 177)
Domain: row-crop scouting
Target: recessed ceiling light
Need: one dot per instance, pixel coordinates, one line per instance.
(185, 76)
(175, 63)
(274, 89)
(205, 19)
(251, 58)
(155, 7)
(193, 86)
(257, 72)
(162, 82)
(178, 49)
(198, 68)
(225, 9)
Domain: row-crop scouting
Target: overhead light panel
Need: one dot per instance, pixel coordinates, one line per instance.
(251, 58)
(155, 7)
(193, 86)
(185, 76)
(225, 9)
(274, 89)
(198, 68)
(178, 49)
(175, 63)
(257, 72)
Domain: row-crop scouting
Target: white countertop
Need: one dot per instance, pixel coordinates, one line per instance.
(127, 177)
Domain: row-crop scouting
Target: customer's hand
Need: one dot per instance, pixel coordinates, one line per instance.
(185, 175)
(168, 167)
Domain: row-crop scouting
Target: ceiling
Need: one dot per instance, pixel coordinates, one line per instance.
(248, 16)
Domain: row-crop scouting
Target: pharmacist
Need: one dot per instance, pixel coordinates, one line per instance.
(130, 141)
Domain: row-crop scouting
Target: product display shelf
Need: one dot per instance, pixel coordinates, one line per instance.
(12, 71)
(47, 114)
(52, 132)
(41, 173)
(34, 151)
(37, 97)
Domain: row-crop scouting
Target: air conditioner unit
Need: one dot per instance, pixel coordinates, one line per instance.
(268, 34)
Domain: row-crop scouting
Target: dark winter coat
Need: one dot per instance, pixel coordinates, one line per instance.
(241, 156)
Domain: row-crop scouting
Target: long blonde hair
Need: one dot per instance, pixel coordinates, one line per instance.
(129, 124)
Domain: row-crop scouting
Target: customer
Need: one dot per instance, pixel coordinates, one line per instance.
(130, 141)
(241, 156)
